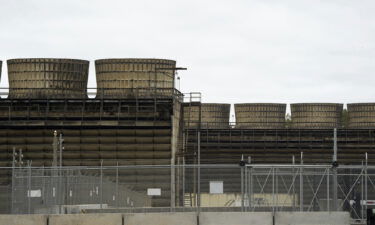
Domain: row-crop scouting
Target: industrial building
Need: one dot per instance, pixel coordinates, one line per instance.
(136, 116)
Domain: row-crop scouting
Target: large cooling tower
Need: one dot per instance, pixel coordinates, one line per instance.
(47, 78)
(118, 78)
(213, 115)
(361, 115)
(316, 115)
(260, 115)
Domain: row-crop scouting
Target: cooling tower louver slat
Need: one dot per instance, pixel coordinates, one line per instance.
(47, 78)
(213, 116)
(361, 115)
(129, 77)
(260, 115)
(316, 115)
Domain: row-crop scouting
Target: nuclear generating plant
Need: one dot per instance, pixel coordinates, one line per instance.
(138, 117)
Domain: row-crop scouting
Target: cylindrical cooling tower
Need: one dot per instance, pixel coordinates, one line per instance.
(213, 115)
(48, 78)
(316, 115)
(361, 115)
(117, 78)
(260, 115)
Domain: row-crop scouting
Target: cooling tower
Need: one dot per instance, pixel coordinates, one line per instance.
(361, 115)
(213, 115)
(118, 78)
(260, 115)
(47, 78)
(316, 115)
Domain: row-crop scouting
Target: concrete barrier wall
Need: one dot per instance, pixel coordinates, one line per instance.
(312, 218)
(86, 219)
(188, 218)
(235, 218)
(160, 219)
(23, 220)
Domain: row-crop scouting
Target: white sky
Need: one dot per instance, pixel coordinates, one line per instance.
(235, 51)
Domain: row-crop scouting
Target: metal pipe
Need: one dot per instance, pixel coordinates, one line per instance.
(334, 170)
(301, 185)
(101, 184)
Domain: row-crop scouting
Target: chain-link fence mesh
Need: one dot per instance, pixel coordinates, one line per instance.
(250, 187)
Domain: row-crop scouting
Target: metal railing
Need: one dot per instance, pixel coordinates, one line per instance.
(84, 93)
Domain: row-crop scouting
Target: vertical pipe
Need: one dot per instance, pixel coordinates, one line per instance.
(362, 194)
(366, 162)
(301, 185)
(293, 184)
(242, 188)
(334, 170)
(183, 181)
(250, 192)
(29, 188)
(101, 184)
(273, 191)
(117, 197)
(199, 170)
(328, 191)
(61, 149)
(13, 179)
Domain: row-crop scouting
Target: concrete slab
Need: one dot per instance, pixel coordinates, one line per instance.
(23, 220)
(312, 218)
(235, 218)
(86, 219)
(160, 219)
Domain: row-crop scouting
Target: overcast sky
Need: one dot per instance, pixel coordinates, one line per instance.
(235, 51)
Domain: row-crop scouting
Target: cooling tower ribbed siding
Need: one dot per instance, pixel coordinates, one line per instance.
(316, 115)
(118, 78)
(213, 115)
(361, 115)
(46, 78)
(260, 115)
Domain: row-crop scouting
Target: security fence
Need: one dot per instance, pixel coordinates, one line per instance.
(246, 187)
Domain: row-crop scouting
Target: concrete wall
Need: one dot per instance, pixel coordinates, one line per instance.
(235, 218)
(23, 220)
(312, 218)
(186, 218)
(86, 219)
(161, 219)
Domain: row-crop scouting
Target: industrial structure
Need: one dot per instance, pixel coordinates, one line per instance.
(139, 118)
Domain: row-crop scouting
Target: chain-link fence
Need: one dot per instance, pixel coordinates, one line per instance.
(251, 187)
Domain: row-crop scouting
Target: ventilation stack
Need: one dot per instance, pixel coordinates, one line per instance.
(127, 77)
(260, 115)
(213, 116)
(46, 78)
(316, 115)
(361, 115)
